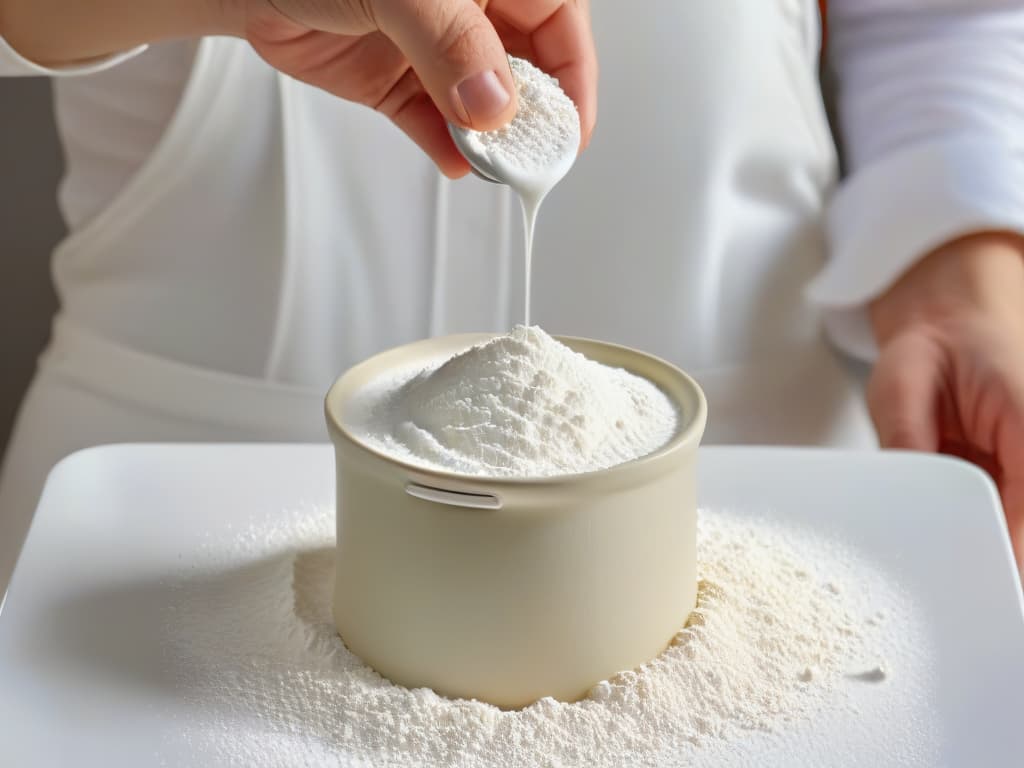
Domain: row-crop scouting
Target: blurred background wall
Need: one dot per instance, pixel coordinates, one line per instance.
(30, 167)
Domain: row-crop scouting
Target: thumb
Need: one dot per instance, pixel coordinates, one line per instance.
(903, 394)
(457, 55)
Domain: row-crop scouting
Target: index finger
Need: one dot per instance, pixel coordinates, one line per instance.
(560, 33)
(1010, 447)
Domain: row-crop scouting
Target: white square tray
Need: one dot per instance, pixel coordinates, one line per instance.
(85, 689)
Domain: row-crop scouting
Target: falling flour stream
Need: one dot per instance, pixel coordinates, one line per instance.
(533, 152)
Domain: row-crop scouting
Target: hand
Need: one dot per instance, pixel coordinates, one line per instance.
(420, 62)
(425, 62)
(950, 373)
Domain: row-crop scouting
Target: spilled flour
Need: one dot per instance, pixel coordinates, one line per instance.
(783, 621)
(521, 405)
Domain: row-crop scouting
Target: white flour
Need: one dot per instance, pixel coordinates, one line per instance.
(545, 127)
(782, 623)
(522, 405)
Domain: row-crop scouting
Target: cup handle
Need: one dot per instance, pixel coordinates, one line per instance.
(453, 498)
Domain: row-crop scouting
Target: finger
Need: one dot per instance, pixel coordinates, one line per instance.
(1012, 493)
(564, 48)
(457, 55)
(412, 110)
(954, 440)
(1009, 441)
(962, 449)
(903, 394)
(517, 43)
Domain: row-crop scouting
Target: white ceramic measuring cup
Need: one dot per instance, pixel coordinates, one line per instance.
(507, 590)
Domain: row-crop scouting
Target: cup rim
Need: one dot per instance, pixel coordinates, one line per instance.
(689, 434)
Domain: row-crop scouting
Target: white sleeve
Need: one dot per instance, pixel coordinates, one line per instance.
(13, 63)
(931, 122)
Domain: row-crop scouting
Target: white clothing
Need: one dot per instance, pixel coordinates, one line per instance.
(272, 235)
(931, 107)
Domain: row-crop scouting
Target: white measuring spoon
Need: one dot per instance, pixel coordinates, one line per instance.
(531, 184)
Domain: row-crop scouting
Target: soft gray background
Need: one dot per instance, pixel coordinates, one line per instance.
(30, 167)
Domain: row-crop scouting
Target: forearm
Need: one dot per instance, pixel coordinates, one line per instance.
(59, 32)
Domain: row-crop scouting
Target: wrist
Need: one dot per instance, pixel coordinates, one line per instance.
(981, 274)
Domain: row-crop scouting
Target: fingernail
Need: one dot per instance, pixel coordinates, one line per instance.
(480, 97)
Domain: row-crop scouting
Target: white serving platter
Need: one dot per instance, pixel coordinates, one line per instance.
(81, 667)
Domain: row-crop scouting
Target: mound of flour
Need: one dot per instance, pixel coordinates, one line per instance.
(546, 123)
(786, 635)
(521, 405)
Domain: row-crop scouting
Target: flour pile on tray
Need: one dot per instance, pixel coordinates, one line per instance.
(778, 636)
